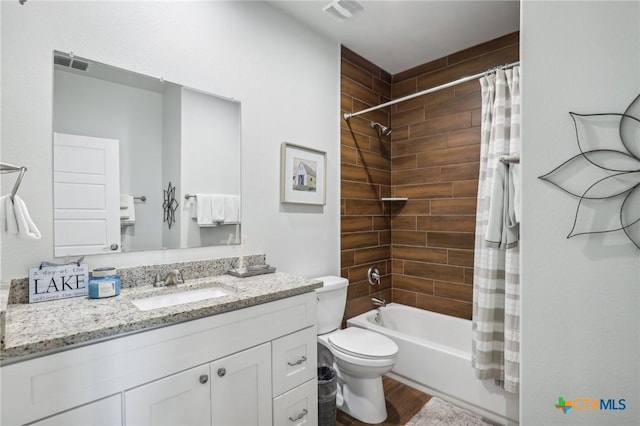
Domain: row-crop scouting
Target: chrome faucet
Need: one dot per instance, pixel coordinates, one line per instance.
(173, 277)
(379, 303)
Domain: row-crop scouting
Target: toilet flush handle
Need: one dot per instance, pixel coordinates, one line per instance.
(373, 274)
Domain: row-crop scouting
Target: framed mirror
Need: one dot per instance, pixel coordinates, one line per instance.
(141, 163)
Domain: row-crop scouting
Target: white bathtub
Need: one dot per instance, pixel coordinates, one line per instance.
(435, 357)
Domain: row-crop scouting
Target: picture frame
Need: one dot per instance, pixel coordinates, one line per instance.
(303, 173)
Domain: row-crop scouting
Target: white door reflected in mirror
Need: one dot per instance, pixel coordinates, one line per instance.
(86, 191)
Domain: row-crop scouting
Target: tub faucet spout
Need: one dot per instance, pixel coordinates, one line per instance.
(379, 303)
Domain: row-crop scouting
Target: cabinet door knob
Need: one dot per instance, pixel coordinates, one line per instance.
(301, 415)
(204, 378)
(300, 361)
(221, 372)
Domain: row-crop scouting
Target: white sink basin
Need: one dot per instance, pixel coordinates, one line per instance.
(180, 298)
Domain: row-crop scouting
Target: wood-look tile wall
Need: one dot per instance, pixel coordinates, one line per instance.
(424, 247)
(435, 163)
(365, 178)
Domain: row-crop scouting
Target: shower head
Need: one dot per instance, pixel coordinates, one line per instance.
(382, 129)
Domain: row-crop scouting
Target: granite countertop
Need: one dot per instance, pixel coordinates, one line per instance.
(33, 328)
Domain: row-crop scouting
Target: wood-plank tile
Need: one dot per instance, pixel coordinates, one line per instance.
(421, 69)
(454, 240)
(446, 223)
(349, 55)
(410, 238)
(416, 284)
(416, 176)
(356, 74)
(419, 145)
(419, 254)
(456, 121)
(462, 206)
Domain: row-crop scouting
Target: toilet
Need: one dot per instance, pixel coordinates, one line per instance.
(360, 356)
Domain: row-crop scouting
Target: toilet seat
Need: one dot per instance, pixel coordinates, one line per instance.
(361, 343)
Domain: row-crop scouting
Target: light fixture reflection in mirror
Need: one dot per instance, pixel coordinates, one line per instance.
(119, 136)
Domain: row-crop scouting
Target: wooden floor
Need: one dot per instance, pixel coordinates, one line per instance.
(402, 403)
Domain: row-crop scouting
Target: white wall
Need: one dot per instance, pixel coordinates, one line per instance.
(580, 297)
(286, 77)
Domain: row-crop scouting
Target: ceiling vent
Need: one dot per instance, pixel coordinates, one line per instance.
(70, 62)
(344, 9)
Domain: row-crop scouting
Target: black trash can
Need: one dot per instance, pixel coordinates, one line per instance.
(327, 390)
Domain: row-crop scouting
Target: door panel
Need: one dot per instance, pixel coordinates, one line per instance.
(180, 399)
(86, 198)
(241, 388)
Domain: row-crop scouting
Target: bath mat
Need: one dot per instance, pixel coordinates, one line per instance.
(437, 412)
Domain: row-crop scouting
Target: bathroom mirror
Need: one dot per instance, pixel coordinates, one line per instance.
(130, 153)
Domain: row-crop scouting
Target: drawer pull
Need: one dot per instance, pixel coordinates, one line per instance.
(221, 372)
(204, 378)
(300, 361)
(301, 415)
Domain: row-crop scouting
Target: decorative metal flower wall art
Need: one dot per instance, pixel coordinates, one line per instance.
(605, 175)
(170, 205)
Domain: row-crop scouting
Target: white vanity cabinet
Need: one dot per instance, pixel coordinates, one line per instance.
(181, 398)
(234, 390)
(295, 387)
(246, 366)
(105, 412)
(241, 388)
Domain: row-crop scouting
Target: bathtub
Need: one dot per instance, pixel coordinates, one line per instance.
(435, 357)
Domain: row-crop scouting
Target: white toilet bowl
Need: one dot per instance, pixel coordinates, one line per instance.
(361, 357)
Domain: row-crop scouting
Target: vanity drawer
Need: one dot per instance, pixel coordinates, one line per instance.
(297, 407)
(294, 359)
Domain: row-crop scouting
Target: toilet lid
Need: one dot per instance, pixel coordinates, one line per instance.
(361, 342)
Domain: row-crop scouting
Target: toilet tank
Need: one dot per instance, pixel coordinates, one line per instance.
(332, 299)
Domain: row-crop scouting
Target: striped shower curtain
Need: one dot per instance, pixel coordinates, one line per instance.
(496, 291)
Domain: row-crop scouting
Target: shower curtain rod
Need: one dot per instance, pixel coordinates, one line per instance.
(348, 115)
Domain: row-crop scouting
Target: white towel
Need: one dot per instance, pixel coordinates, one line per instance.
(232, 209)
(217, 207)
(204, 213)
(16, 219)
(127, 210)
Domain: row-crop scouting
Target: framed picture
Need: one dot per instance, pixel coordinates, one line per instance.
(302, 175)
